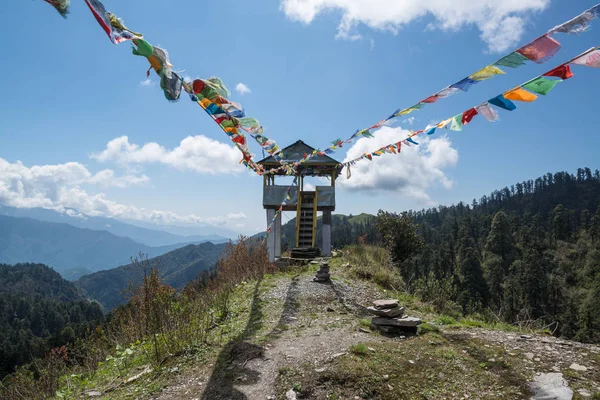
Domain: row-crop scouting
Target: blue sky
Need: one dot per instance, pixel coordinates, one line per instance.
(317, 70)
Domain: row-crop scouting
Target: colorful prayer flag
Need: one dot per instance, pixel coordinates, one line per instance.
(591, 59)
(62, 6)
(468, 115)
(431, 99)
(502, 102)
(464, 84)
(114, 28)
(447, 92)
(487, 112)
(519, 94)
(541, 49)
(457, 124)
(562, 71)
(541, 85)
(579, 23)
(486, 73)
(513, 60)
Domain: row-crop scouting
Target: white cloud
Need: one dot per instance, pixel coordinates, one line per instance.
(199, 154)
(58, 187)
(147, 82)
(410, 173)
(410, 120)
(500, 22)
(241, 88)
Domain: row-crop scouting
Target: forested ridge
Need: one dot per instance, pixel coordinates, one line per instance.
(39, 311)
(528, 254)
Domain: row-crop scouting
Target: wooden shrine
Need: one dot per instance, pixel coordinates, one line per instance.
(306, 203)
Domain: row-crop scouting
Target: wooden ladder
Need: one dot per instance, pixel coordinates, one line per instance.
(306, 220)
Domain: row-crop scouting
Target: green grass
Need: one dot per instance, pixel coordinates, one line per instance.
(412, 369)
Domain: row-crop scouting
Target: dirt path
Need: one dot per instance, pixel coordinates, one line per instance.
(300, 325)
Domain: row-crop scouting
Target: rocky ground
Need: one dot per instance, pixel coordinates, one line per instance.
(312, 340)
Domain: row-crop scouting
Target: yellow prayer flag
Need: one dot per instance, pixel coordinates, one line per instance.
(444, 123)
(486, 73)
(520, 94)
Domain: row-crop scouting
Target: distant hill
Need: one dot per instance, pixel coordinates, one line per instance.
(64, 247)
(39, 310)
(176, 268)
(149, 237)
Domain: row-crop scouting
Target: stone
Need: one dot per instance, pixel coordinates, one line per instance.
(404, 322)
(93, 393)
(550, 386)
(584, 393)
(336, 355)
(385, 303)
(387, 312)
(322, 275)
(577, 367)
(387, 328)
(291, 395)
(364, 330)
(529, 356)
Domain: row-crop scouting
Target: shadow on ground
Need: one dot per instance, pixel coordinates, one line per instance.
(230, 367)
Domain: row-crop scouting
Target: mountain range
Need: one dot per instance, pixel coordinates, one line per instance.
(71, 251)
(175, 268)
(164, 236)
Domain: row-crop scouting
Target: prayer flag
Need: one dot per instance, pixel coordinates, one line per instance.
(562, 71)
(519, 94)
(513, 60)
(62, 6)
(541, 85)
(464, 84)
(114, 28)
(502, 102)
(486, 73)
(579, 23)
(447, 92)
(412, 141)
(468, 116)
(487, 112)
(541, 49)
(444, 123)
(591, 59)
(431, 99)
(457, 124)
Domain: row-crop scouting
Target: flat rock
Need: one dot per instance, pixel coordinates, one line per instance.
(290, 395)
(387, 312)
(584, 393)
(93, 393)
(385, 303)
(577, 367)
(387, 328)
(405, 322)
(551, 386)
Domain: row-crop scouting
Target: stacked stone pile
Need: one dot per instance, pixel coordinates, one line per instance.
(323, 273)
(389, 317)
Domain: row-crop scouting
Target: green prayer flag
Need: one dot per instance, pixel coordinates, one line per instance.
(541, 85)
(143, 48)
(457, 124)
(513, 60)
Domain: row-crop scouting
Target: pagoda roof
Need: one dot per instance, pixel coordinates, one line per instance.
(296, 151)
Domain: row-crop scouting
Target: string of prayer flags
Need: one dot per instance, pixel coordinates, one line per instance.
(115, 29)
(562, 71)
(541, 85)
(541, 49)
(578, 24)
(589, 59)
(487, 112)
(62, 6)
(519, 94)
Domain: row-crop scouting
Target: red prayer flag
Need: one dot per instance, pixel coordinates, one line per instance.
(562, 72)
(468, 115)
(541, 49)
(431, 99)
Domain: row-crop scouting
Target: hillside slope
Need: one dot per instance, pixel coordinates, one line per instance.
(176, 269)
(39, 310)
(64, 247)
